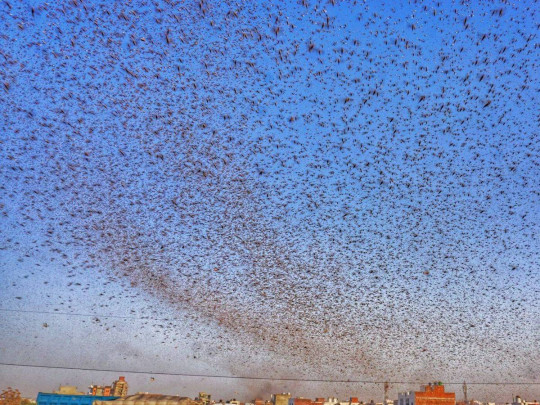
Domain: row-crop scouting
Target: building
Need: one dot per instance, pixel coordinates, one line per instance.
(233, 401)
(281, 399)
(150, 399)
(351, 401)
(432, 394)
(335, 401)
(300, 401)
(45, 398)
(68, 390)
(120, 387)
(100, 390)
(205, 398)
(517, 400)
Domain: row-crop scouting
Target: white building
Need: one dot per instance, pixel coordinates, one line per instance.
(517, 400)
(406, 398)
(331, 401)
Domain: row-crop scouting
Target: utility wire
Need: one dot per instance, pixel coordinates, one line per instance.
(239, 377)
(211, 375)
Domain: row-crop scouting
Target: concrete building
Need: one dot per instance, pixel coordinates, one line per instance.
(281, 399)
(233, 401)
(120, 387)
(432, 394)
(300, 401)
(331, 401)
(100, 390)
(205, 398)
(351, 401)
(150, 399)
(517, 400)
(68, 390)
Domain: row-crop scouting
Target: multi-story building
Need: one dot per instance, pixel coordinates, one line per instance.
(331, 401)
(432, 394)
(100, 390)
(335, 401)
(517, 400)
(151, 399)
(68, 390)
(281, 399)
(258, 401)
(351, 401)
(120, 387)
(300, 401)
(205, 398)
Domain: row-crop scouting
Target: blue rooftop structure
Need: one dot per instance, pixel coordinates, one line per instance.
(45, 398)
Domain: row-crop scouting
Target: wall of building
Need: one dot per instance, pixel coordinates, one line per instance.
(281, 399)
(434, 395)
(406, 398)
(120, 387)
(45, 398)
(300, 401)
(68, 390)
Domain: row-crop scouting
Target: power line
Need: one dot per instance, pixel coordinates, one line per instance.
(239, 377)
(209, 375)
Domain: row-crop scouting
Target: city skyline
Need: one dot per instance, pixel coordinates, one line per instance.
(426, 393)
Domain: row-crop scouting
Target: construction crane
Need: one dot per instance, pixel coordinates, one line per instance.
(465, 393)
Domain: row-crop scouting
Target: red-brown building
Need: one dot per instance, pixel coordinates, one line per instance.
(432, 394)
(300, 401)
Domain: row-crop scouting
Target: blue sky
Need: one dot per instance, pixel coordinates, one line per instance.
(321, 190)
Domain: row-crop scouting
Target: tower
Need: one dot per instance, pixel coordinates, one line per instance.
(120, 387)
